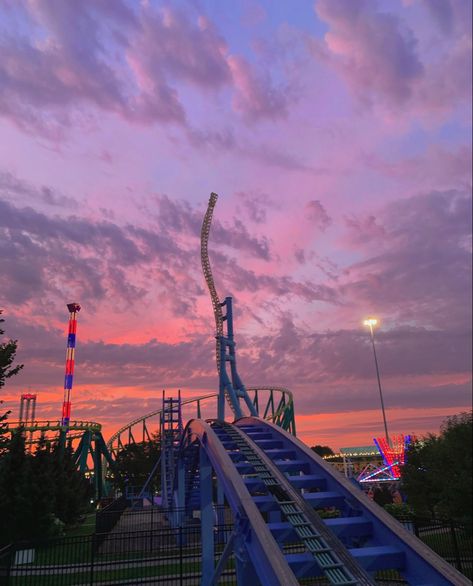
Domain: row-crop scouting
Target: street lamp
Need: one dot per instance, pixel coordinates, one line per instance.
(371, 322)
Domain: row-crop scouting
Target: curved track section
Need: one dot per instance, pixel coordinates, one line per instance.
(38, 429)
(204, 257)
(274, 485)
(137, 430)
(277, 406)
(273, 403)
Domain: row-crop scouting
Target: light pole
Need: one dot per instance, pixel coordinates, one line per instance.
(371, 322)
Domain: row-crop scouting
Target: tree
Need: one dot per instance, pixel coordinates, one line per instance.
(40, 493)
(437, 475)
(72, 491)
(7, 357)
(382, 495)
(134, 463)
(7, 370)
(26, 503)
(322, 450)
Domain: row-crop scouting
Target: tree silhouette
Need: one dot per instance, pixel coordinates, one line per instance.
(437, 475)
(7, 370)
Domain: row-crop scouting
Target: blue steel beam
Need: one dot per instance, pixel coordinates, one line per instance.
(206, 518)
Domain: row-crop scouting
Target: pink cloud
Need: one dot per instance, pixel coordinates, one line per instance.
(385, 62)
(374, 51)
(317, 214)
(364, 230)
(127, 62)
(255, 96)
(435, 168)
(170, 42)
(416, 266)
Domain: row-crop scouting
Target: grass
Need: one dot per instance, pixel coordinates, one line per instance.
(85, 528)
(134, 573)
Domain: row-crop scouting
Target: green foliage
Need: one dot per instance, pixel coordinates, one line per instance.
(39, 494)
(134, 463)
(322, 450)
(399, 510)
(73, 491)
(7, 357)
(437, 476)
(383, 496)
(328, 513)
(7, 370)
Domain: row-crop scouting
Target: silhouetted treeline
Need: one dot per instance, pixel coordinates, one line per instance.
(40, 493)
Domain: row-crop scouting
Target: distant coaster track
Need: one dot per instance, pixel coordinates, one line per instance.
(85, 438)
(76, 428)
(274, 403)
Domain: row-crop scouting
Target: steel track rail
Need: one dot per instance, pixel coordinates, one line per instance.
(260, 545)
(207, 270)
(270, 417)
(331, 556)
(50, 425)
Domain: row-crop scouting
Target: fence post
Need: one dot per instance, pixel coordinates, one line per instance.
(92, 558)
(181, 569)
(455, 547)
(6, 571)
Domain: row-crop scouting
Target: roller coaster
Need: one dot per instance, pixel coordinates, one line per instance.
(274, 485)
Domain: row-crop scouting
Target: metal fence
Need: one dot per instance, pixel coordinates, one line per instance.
(157, 553)
(451, 540)
(168, 556)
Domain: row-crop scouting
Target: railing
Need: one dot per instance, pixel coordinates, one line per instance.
(53, 425)
(451, 540)
(158, 555)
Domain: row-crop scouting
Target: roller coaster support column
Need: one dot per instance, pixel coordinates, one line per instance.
(206, 518)
(231, 389)
(171, 430)
(27, 415)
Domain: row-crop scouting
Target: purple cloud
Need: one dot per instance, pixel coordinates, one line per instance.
(255, 96)
(375, 51)
(179, 216)
(317, 215)
(12, 188)
(255, 205)
(420, 272)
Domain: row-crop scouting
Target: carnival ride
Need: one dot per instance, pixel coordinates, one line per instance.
(85, 437)
(393, 454)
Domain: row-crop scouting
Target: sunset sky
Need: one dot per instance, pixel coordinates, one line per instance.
(337, 134)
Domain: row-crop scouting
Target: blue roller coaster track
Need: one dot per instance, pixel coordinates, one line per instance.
(274, 485)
